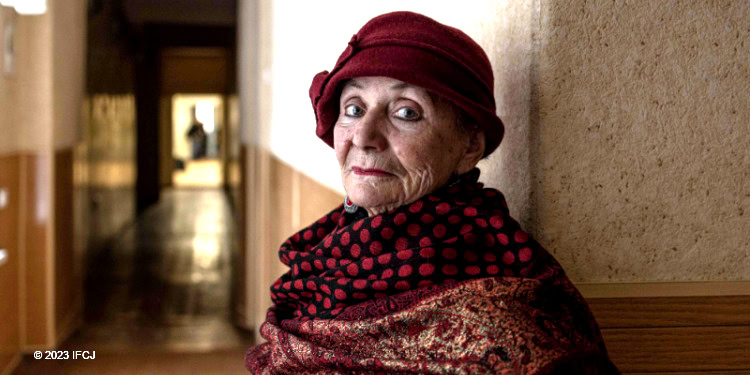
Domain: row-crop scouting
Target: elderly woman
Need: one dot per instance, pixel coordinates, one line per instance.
(421, 270)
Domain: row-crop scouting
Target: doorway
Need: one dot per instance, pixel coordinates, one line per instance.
(197, 128)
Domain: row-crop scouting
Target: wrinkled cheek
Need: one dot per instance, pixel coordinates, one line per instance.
(341, 148)
(415, 160)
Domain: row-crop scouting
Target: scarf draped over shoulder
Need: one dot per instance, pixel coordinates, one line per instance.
(449, 284)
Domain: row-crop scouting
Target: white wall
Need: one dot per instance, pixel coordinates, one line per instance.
(41, 100)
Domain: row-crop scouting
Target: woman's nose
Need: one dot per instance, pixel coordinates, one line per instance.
(369, 132)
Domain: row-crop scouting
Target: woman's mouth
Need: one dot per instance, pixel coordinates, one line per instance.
(370, 172)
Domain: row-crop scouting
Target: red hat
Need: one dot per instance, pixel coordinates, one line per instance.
(418, 50)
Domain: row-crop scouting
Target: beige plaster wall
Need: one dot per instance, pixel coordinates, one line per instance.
(640, 134)
(8, 89)
(506, 34)
(26, 93)
(40, 100)
(68, 64)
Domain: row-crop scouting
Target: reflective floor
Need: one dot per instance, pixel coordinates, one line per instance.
(198, 173)
(164, 286)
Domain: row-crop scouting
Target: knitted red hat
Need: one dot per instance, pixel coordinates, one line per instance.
(418, 50)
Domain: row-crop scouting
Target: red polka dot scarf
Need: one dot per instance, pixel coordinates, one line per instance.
(459, 232)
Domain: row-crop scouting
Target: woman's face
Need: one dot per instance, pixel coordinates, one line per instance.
(395, 145)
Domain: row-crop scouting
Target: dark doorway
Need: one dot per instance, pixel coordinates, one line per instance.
(162, 72)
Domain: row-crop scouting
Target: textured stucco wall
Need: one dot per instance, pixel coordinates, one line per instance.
(640, 139)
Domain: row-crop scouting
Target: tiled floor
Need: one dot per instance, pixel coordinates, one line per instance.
(158, 300)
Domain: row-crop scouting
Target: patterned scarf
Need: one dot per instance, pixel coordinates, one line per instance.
(459, 232)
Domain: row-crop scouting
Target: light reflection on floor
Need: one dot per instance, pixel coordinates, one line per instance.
(198, 173)
(177, 266)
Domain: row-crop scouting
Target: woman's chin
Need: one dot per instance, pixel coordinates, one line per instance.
(371, 198)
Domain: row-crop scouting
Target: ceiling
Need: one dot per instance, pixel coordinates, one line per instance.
(185, 12)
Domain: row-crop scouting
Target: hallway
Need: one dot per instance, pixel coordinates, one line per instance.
(159, 299)
(624, 154)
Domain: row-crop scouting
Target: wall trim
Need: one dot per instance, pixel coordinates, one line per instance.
(664, 289)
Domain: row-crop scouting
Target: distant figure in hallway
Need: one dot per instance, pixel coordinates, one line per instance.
(197, 136)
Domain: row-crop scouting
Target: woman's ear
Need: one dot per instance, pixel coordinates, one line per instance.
(474, 151)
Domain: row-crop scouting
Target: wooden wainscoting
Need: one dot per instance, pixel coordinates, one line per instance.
(10, 332)
(37, 323)
(677, 335)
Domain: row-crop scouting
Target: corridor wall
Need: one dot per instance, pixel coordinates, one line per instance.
(40, 101)
(26, 173)
(104, 157)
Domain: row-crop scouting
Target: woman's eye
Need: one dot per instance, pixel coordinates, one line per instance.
(406, 113)
(352, 110)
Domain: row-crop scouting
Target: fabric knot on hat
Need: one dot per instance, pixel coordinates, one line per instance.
(354, 41)
(351, 48)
